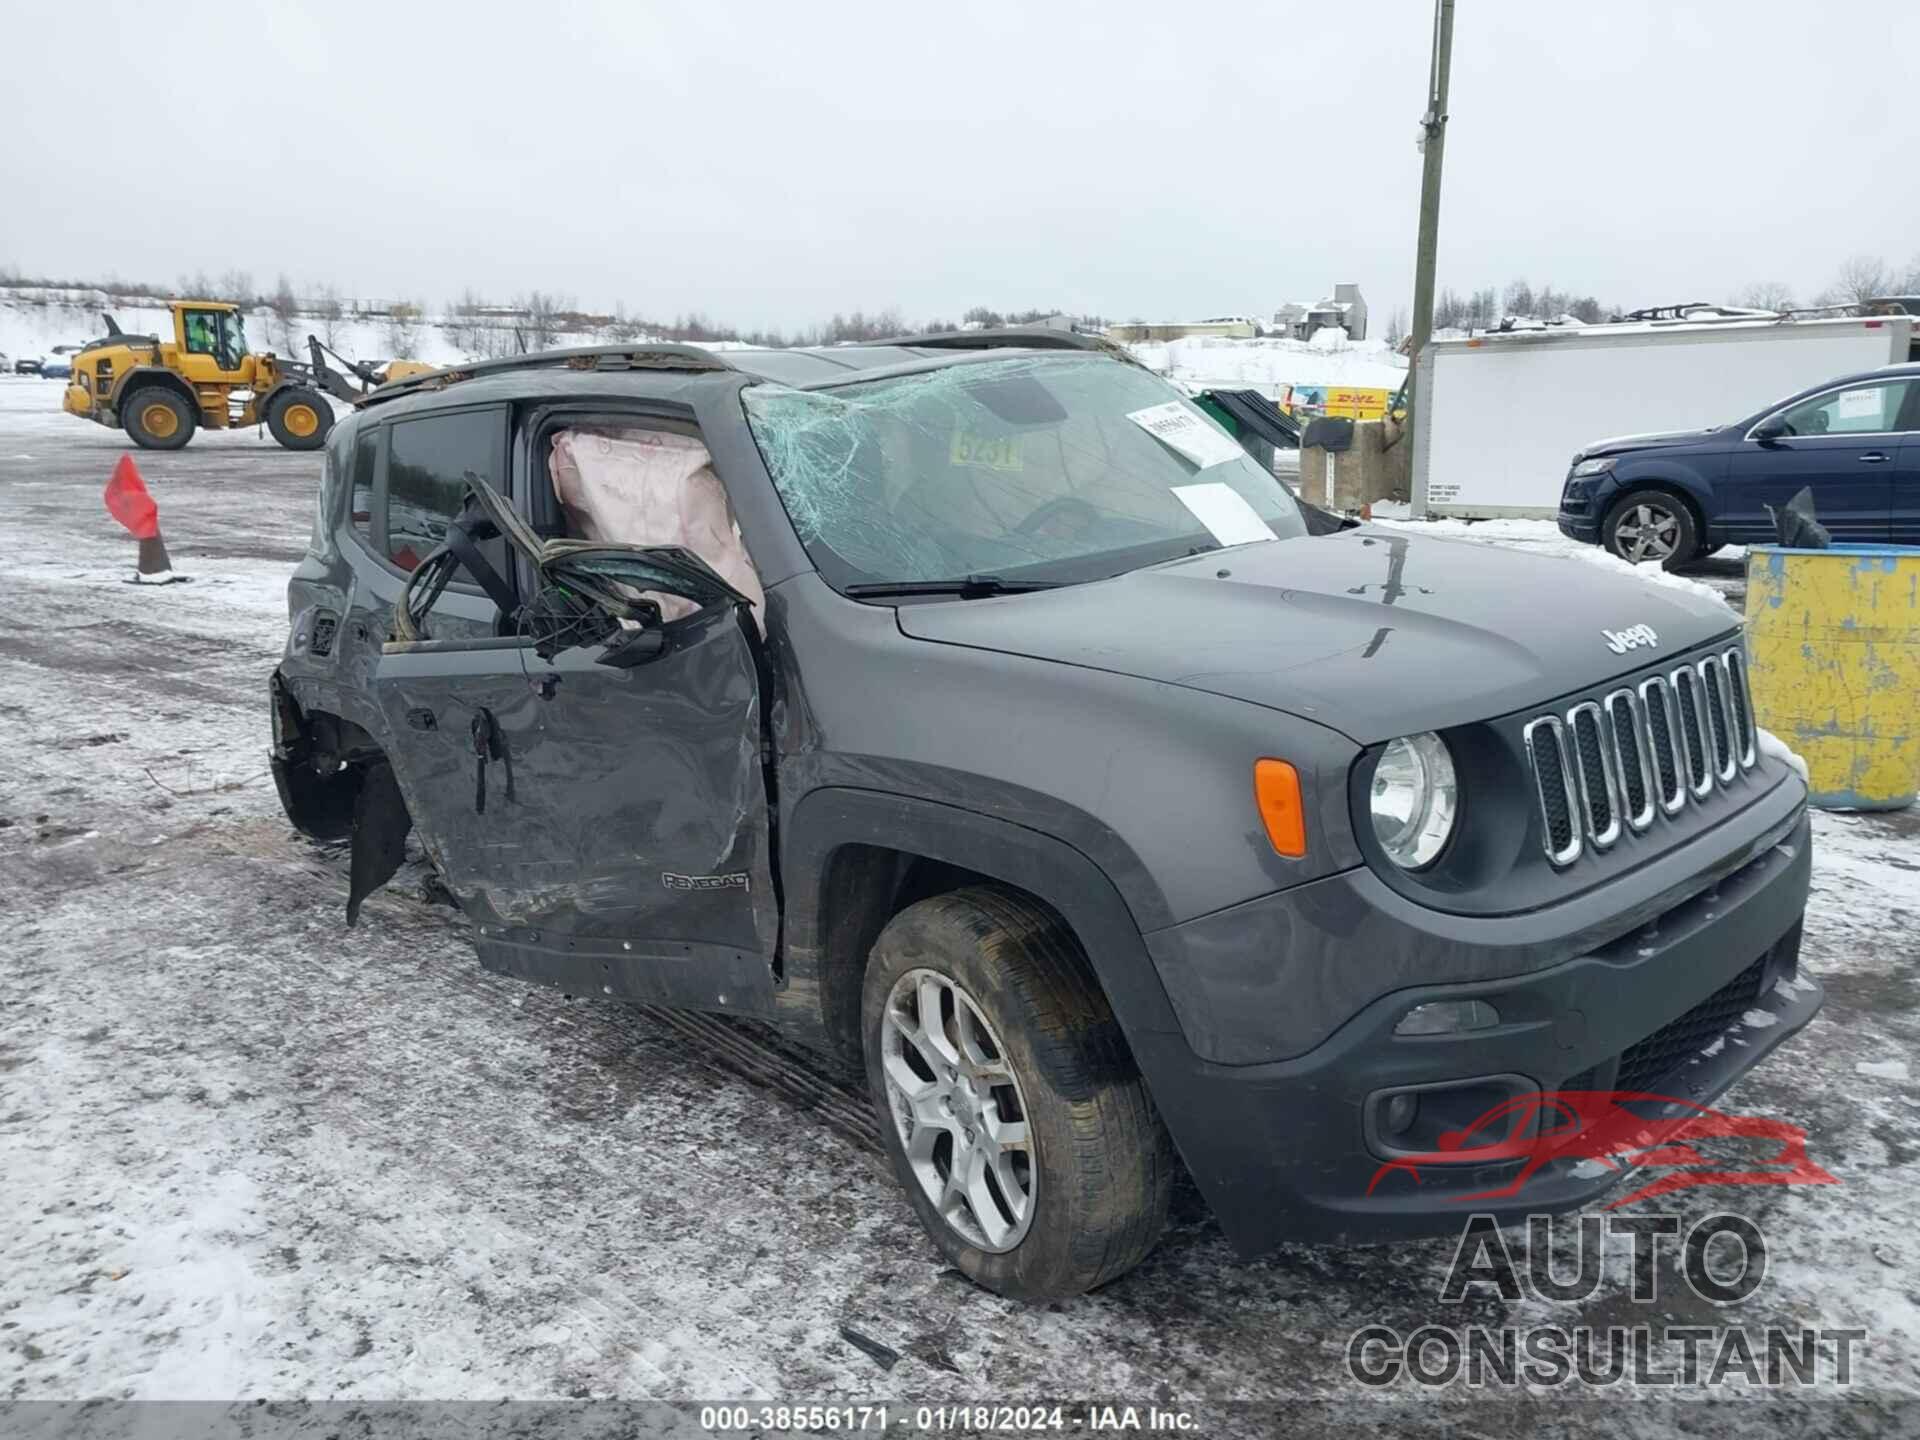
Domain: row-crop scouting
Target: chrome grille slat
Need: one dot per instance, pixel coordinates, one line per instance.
(1599, 786)
(1696, 743)
(1553, 788)
(1747, 738)
(1663, 731)
(1632, 756)
(1713, 681)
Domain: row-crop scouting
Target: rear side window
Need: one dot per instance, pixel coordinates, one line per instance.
(365, 452)
(333, 479)
(427, 462)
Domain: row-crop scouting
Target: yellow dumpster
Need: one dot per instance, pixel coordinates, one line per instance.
(1834, 641)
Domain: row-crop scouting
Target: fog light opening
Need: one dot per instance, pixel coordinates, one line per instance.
(1448, 1017)
(1400, 1113)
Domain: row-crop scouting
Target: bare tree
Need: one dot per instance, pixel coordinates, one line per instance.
(405, 321)
(1862, 278)
(540, 320)
(1766, 295)
(1397, 323)
(282, 308)
(329, 312)
(237, 286)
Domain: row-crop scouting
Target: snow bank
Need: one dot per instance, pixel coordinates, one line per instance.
(1270, 365)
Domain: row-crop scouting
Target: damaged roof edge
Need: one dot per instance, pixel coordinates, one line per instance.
(1028, 337)
(663, 356)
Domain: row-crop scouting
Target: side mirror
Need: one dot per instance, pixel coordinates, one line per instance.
(1771, 429)
(629, 648)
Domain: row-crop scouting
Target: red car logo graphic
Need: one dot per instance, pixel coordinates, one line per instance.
(1600, 1126)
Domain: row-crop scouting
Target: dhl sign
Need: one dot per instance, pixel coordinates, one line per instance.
(1357, 404)
(1352, 401)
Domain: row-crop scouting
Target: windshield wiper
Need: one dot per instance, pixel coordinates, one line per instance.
(971, 587)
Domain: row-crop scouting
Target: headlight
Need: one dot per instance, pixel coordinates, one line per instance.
(1593, 467)
(1414, 799)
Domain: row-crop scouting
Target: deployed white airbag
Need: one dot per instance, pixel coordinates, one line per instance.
(651, 487)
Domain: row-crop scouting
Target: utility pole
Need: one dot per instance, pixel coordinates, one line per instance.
(1433, 141)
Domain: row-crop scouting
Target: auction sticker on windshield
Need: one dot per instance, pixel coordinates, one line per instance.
(1225, 512)
(1174, 425)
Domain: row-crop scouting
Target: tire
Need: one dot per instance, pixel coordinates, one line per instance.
(158, 418)
(1704, 550)
(1651, 525)
(1098, 1167)
(299, 418)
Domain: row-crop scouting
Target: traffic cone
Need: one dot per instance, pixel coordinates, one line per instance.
(130, 504)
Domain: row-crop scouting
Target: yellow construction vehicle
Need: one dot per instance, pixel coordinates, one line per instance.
(159, 390)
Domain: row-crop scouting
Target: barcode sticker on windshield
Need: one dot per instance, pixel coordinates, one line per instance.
(1173, 424)
(1225, 512)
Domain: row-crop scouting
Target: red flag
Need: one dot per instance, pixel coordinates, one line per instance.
(130, 504)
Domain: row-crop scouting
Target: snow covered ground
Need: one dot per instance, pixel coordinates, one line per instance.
(246, 1152)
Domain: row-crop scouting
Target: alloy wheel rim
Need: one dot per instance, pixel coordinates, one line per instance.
(1647, 532)
(959, 1110)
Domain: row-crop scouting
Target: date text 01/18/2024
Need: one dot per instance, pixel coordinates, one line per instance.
(1011, 1419)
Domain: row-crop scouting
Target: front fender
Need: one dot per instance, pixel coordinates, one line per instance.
(1184, 1088)
(827, 820)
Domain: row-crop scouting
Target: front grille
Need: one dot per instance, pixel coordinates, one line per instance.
(1644, 1063)
(1605, 767)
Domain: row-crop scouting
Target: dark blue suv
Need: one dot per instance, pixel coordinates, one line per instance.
(1673, 498)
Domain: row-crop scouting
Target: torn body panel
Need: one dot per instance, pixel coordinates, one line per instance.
(620, 779)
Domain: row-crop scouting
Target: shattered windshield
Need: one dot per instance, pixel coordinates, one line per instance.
(1057, 468)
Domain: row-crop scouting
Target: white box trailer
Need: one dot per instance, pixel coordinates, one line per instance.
(1498, 417)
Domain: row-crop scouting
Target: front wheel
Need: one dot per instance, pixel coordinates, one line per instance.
(1650, 525)
(158, 418)
(299, 419)
(1010, 1105)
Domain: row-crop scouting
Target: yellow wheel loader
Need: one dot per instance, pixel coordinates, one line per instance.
(160, 390)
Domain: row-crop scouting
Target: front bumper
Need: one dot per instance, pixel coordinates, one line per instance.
(1584, 528)
(1287, 1151)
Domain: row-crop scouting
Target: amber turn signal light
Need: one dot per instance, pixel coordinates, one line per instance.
(1276, 789)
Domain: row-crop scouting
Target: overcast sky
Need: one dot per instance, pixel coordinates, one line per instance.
(770, 163)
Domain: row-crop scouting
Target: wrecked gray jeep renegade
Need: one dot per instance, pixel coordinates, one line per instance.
(973, 707)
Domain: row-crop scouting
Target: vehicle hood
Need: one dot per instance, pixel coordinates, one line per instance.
(1370, 631)
(1652, 440)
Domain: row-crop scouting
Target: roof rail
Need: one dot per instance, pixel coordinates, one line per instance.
(1010, 337)
(661, 356)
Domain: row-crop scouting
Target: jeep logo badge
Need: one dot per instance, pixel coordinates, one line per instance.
(1632, 638)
